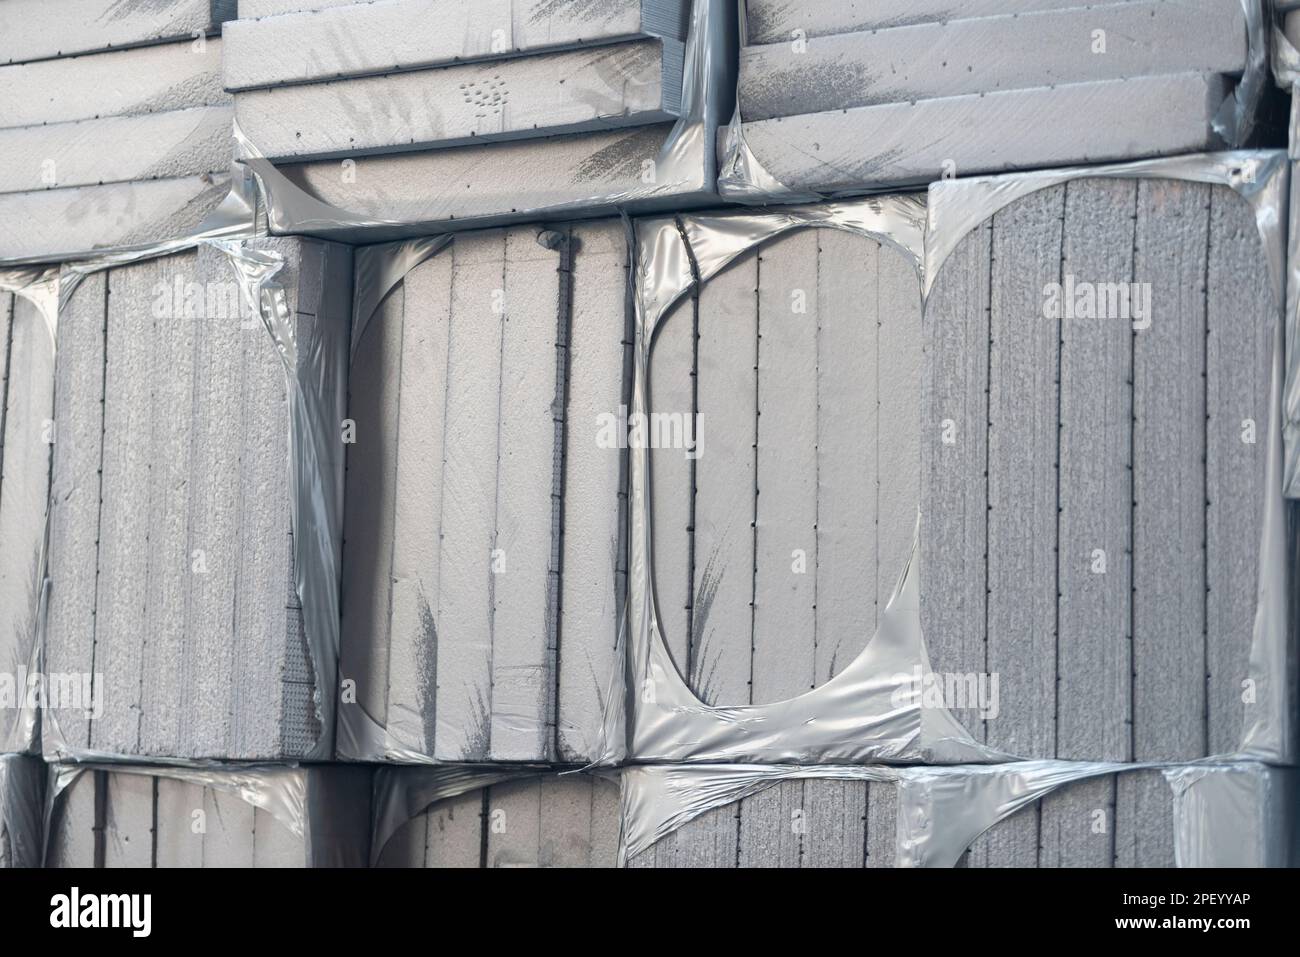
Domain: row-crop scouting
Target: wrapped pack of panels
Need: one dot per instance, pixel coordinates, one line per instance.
(1102, 520)
(195, 436)
(1103, 561)
(482, 577)
(110, 147)
(512, 818)
(541, 109)
(1228, 814)
(22, 801)
(125, 816)
(28, 304)
(1141, 79)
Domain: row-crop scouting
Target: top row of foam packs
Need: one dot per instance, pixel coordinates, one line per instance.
(941, 89)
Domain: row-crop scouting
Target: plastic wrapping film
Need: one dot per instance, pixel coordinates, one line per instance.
(285, 792)
(1285, 58)
(744, 179)
(20, 723)
(313, 374)
(843, 721)
(1291, 394)
(872, 710)
(685, 164)
(22, 787)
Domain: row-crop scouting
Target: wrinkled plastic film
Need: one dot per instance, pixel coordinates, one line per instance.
(22, 788)
(872, 710)
(20, 722)
(685, 164)
(1235, 120)
(1285, 60)
(1291, 394)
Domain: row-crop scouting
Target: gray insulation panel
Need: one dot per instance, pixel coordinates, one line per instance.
(38, 30)
(122, 83)
(994, 53)
(353, 39)
(988, 133)
(629, 84)
(62, 224)
(776, 21)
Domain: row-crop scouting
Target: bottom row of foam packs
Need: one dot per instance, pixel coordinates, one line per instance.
(337, 815)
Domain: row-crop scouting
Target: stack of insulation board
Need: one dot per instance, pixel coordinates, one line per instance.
(1092, 491)
(482, 567)
(539, 820)
(131, 816)
(1234, 814)
(1094, 484)
(171, 558)
(114, 128)
(26, 412)
(507, 105)
(998, 85)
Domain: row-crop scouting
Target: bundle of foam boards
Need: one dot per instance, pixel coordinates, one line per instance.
(114, 128)
(539, 820)
(482, 569)
(26, 406)
(22, 802)
(997, 85)
(498, 108)
(1092, 487)
(1236, 814)
(1250, 821)
(172, 560)
(1094, 472)
(124, 816)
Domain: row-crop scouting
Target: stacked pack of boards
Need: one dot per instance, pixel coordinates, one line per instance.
(418, 510)
(511, 106)
(987, 87)
(114, 127)
(172, 566)
(482, 558)
(133, 816)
